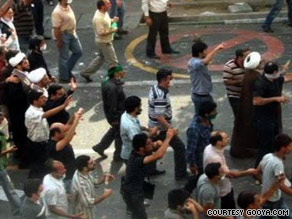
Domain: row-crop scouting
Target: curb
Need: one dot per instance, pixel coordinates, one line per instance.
(221, 18)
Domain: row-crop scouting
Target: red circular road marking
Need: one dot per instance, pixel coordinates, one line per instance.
(275, 47)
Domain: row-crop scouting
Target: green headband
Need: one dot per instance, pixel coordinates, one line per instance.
(114, 70)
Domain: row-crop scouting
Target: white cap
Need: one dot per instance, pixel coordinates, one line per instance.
(14, 61)
(37, 75)
(252, 60)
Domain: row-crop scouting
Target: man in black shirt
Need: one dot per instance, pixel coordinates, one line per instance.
(60, 148)
(132, 185)
(267, 100)
(113, 98)
(57, 97)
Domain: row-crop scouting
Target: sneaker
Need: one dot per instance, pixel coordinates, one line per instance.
(267, 29)
(146, 203)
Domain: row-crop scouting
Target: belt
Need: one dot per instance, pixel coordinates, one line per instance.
(68, 31)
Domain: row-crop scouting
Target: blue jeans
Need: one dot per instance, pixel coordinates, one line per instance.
(199, 99)
(10, 192)
(277, 7)
(67, 62)
(281, 204)
(118, 12)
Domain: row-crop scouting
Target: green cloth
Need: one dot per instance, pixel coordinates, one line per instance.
(3, 158)
(112, 71)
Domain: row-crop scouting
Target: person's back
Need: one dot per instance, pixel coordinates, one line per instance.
(30, 210)
(271, 167)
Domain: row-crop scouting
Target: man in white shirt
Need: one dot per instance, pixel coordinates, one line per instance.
(54, 194)
(156, 18)
(104, 30)
(38, 131)
(272, 169)
(215, 153)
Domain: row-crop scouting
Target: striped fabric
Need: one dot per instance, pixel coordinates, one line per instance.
(23, 19)
(233, 72)
(158, 105)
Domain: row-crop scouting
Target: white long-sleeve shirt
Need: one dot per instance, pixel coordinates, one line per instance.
(156, 6)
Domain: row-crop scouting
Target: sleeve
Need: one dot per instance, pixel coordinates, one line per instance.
(145, 7)
(132, 131)
(98, 26)
(33, 118)
(112, 103)
(227, 74)
(85, 194)
(278, 169)
(51, 197)
(207, 197)
(56, 19)
(192, 141)
(139, 162)
(258, 89)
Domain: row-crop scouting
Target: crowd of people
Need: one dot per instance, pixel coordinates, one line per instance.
(37, 130)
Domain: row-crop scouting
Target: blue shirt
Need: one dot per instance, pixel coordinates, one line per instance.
(200, 77)
(130, 126)
(198, 137)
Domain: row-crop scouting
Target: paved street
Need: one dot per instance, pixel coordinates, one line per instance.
(131, 53)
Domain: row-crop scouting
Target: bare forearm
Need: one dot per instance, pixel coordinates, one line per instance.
(60, 212)
(53, 111)
(99, 199)
(210, 56)
(259, 101)
(163, 122)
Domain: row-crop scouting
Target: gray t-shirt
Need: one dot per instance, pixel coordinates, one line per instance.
(200, 77)
(30, 210)
(207, 192)
(272, 166)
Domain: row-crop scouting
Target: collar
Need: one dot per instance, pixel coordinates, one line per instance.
(82, 175)
(131, 117)
(217, 150)
(57, 182)
(165, 90)
(117, 81)
(64, 9)
(37, 108)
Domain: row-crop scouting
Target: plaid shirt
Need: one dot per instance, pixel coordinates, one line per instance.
(198, 137)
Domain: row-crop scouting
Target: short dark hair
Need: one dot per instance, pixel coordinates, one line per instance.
(50, 165)
(206, 108)
(212, 170)
(240, 52)
(245, 198)
(131, 103)
(34, 95)
(282, 140)
(35, 41)
(99, 4)
(82, 161)
(53, 131)
(162, 74)
(31, 186)
(177, 197)
(198, 47)
(53, 89)
(215, 137)
(139, 141)
(271, 67)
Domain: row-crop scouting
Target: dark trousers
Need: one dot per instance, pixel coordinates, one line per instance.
(281, 204)
(159, 24)
(227, 201)
(38, 157)
(199, 99)
(38, 17)
(180, 166)
(135, 204)
(234, 103)
(266, 133)
(113, 134)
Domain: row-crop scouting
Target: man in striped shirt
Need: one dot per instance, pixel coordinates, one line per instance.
(233, 76)
(160, 115)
